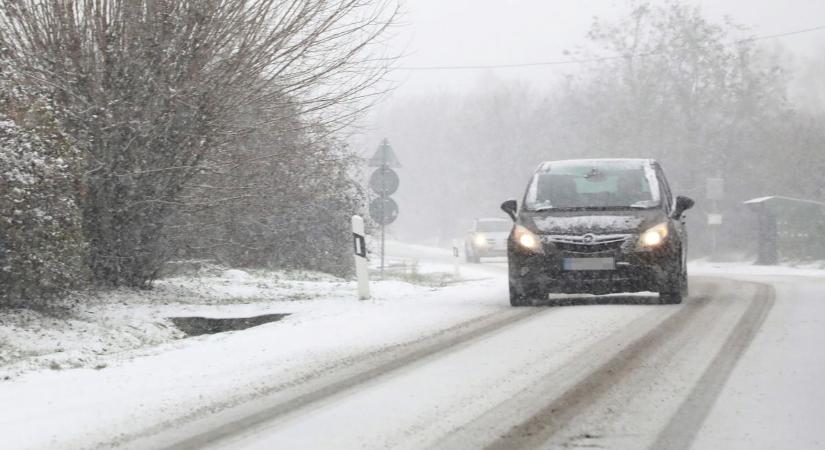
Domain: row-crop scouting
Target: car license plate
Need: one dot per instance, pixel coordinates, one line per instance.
(589, 264)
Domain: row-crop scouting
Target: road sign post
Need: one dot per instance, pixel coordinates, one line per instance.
(715, 192)
(384, 181)
(360, 251)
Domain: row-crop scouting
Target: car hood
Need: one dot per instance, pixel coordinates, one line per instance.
(596, 222)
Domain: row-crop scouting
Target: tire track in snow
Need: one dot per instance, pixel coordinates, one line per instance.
(682, 428)
(369, 367)
(553, 417)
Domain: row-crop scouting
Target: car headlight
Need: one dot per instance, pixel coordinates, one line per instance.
(480, 240)
(526, 239)
(654, 236)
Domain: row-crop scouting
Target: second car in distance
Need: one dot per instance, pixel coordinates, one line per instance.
(487, 237)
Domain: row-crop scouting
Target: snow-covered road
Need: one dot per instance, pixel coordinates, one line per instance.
(737, 365)
(628, 376)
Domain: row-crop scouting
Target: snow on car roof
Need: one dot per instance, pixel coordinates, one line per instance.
(629, 162)
(779, 197)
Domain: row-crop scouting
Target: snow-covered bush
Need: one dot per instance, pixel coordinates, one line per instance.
(280, 197)
(41, 244)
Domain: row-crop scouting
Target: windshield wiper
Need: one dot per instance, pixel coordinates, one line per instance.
(587, 208)
(563, 208)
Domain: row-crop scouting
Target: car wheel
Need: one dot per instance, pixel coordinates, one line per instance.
(475, 259)
(675, 287)
(468, 255)
(520, 295)
(670, 298)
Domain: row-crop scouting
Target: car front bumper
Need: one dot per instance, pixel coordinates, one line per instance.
(489, 252)
(636, 270)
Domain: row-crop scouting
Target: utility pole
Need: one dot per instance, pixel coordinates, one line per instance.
(715, 191)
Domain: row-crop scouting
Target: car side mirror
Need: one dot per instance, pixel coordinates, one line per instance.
(682, 204)
(510, 207)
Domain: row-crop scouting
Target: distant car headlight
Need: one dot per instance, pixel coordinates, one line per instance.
(526, 239)
(654, 236)
(480, 240)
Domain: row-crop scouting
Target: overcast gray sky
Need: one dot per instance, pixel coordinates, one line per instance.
(470, 32)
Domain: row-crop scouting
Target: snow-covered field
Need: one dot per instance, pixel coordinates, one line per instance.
(436, 353)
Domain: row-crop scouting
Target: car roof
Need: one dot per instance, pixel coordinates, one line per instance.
(630, 162)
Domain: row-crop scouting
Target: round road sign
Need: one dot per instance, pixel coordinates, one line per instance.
(384, 210)
(384, 181)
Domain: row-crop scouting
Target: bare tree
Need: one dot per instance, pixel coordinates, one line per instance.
(150, 86)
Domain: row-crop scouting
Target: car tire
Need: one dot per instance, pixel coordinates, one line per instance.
(473, 259)
(676, 286)
(521, 296)
(469, 256)
(670, 298)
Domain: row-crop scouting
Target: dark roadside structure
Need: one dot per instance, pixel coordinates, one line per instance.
(788, 229)
(598, 227)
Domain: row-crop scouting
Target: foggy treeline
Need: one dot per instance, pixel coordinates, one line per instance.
(135, 132)
(674, 86)
(138, 132)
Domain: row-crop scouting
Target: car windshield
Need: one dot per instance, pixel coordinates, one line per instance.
(494, 225)
(593, 185)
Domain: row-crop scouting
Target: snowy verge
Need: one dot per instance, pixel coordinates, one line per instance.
(175, 377)
(703, 267)
(94, 330)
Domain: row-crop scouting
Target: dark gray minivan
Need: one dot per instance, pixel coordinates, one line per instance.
(598, 226)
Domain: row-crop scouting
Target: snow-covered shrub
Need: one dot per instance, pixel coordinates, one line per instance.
(41, 244)
(280, 197)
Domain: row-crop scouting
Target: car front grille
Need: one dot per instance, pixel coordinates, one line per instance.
(588, 244)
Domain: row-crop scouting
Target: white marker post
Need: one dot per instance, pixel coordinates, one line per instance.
(360, 248)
